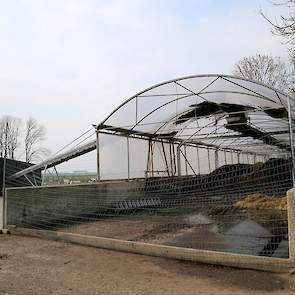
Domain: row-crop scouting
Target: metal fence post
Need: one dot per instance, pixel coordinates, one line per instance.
(291, 194)
(5, 209)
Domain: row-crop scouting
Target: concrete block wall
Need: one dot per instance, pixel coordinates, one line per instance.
(42, 205)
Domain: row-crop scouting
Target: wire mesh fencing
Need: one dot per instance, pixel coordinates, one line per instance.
(237, 208)
(205, 164)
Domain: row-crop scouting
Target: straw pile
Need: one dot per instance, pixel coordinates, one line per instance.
(260, 201)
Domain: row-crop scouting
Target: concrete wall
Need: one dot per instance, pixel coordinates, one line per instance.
(31, 205)
(43, 205)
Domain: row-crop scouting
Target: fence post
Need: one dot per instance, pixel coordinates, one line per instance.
(291, 223)
(1, 213)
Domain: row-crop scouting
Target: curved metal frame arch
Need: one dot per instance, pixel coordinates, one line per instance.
(216, 76)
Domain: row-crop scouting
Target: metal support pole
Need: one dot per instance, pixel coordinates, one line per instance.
(97, 157)
(43, 176)
(28, 179)
(58, 180)
(178, 160)
(174, 159)
(225, 159)
(209, 164)
(152, 157)
(216, 159)
(231, 157)
(186, 160)
(128, 159)
(186, 170)
(198, 161)
(136, 110)
(171, 158)
(165, 158)
(148, 158)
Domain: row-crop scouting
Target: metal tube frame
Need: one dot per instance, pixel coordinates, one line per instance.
(128, 158)
(98, 176)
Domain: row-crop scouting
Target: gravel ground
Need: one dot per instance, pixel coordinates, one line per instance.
(36, 266)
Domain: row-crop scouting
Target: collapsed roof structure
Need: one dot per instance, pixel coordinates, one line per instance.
(210, 110)
(216, 112)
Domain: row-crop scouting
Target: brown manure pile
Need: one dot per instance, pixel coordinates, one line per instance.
(260, 201)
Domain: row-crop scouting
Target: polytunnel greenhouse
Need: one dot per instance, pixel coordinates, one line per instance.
(199, 163)
(196, 124)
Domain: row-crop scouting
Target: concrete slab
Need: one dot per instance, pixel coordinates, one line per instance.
(203, 256)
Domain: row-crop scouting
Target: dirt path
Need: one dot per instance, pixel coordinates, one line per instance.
(35, 266)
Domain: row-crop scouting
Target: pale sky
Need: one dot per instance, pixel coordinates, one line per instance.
(69, 63)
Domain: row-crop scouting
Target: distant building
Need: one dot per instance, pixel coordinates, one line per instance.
(75, 181)
(81, 172)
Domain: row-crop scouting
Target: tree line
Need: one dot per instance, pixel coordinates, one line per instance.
(22, 140)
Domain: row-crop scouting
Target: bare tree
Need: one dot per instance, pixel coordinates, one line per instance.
(9, 135)
(35, 134)
(285, 26)
(265, 69)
